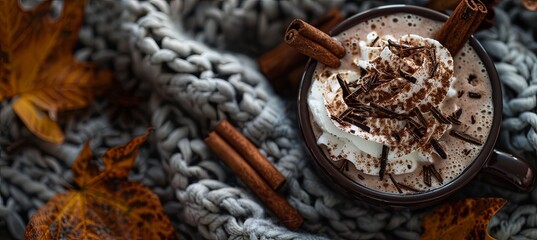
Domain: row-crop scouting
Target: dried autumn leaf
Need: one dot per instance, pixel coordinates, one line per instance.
(106, 206)
(465, 219)
(37, 69)
(530, 4)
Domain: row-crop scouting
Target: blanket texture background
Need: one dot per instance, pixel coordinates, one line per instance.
(193, 63)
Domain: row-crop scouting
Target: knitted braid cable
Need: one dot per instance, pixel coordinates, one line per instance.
(515, 63)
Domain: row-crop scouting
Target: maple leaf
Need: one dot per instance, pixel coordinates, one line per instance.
(106, 206)
(465, 219)
(37, 69)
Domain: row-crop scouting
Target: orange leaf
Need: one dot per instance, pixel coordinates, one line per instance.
(119, 160)
(36, 64)
(465, 219)
(105, 207)
(37, 121)
(84, 170)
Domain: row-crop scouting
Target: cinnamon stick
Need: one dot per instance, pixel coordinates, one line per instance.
(314, 43)
(275, 202)
(443, 5)
(311, 49)
(283, 58)
(318, 36)
(251, 154)
(283, 66)
(461, 25)
(488, 22)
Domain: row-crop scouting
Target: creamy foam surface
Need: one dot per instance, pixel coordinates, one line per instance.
(405, 160)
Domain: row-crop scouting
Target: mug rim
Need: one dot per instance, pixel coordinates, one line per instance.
(422, 199)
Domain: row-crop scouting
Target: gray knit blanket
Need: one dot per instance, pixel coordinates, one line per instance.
(193, 63)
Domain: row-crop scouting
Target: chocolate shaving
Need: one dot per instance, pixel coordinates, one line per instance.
(385, 112)
(429, 171)
(457, 114)
(372, 82)
(375, 41)
(344, 166)
(403, 50)
(416, 133)
(360, 108)
(417, 125)
(416, 112)
(354, 94)
(357, 105)
(407, 76)
(426, 175)
(460, 93)
(383, 160)
(395, 184)
(472, 119)
(361, 177)
(415, 130)
(409, 48)
(466, 152)
(411, 51)
(438, 115)
(386, 74)
(436, 174)
(474, 95)
(344, 86)
(397, 47)
(337, 119)
(362, 72)
(393, 44)
(401, 46)
(471, 78)
(407, 187)
(396, 137)
(345, 113)
(465, 137)
(435, 67)
(454, 118)
(438, 148)
(356, 117)
(357, 123)
(432, 55)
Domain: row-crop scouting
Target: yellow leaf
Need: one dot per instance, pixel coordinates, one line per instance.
(36, 64)
(465, 219)
(105, 207)
(37, 121)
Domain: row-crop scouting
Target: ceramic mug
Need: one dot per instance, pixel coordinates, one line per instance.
(499, 166)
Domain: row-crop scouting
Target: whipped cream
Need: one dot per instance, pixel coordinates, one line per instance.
(386, 100)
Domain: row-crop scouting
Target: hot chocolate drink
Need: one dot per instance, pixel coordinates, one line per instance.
(401, 114)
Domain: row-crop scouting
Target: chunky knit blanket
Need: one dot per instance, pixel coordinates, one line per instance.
(192, 63)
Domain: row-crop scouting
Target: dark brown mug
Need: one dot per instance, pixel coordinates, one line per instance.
(509, 171)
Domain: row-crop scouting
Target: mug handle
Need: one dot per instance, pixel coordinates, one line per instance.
(509, 171)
